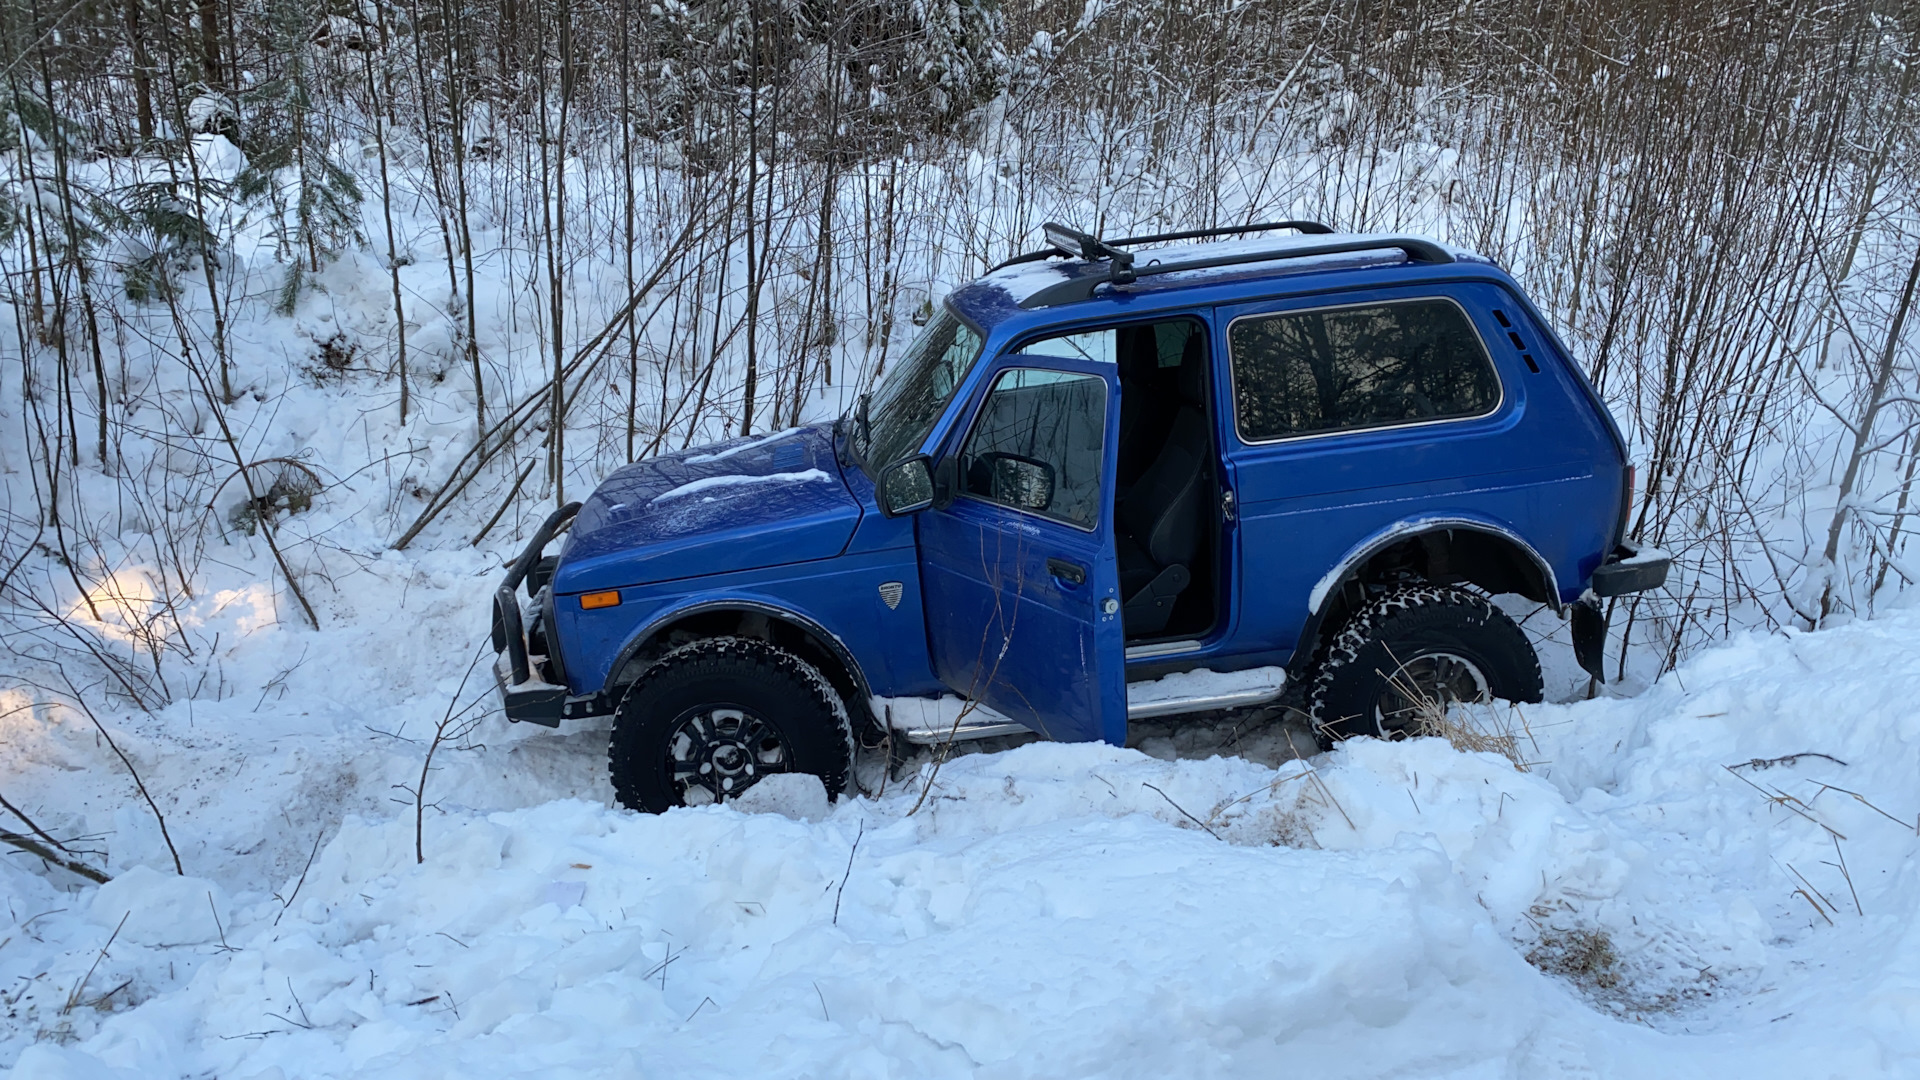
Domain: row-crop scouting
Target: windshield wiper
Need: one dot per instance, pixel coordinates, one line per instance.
(864, 422)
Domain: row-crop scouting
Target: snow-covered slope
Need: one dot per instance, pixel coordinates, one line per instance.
(1659, 895)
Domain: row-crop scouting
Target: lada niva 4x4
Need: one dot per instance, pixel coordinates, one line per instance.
(1109, 480)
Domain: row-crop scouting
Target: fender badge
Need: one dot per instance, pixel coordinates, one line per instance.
(890, 593)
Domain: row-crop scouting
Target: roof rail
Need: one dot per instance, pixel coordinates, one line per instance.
(1091, 243)
(1312, 228)
(1124, 271)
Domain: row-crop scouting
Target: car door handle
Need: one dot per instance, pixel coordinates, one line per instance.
(1070, 572)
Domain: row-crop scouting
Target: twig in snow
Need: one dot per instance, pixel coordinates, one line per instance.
(843, 878)
(224, 947)
(254, 494)
(31, 827)
(102, 999)
(1811, 892)
(1216, 815)
(1321, 785)
(279, 681)
(35, 847)
(1784, 759)
(1781, 798)
(704, 1002)
(512, 494)
(74, 997)
(288, 902)
(823, 1001)
(1182, 809)
(1845, 873)
(135, 773)
(1863, 801)
(1815, 904)
(305, 1022)
(660, 968)
(453, 725)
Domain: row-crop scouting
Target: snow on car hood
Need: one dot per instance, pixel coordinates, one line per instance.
(766, 501)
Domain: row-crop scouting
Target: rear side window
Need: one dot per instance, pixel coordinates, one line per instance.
(1366, 366)
(1038, 445)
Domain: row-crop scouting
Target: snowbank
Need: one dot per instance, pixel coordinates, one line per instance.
(1661, 894)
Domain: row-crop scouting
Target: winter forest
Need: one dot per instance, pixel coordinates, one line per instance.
(312, 306)
(535, 241)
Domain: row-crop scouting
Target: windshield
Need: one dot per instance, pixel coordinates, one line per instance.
(910, 398)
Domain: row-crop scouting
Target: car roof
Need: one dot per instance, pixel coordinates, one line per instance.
(1026, 287)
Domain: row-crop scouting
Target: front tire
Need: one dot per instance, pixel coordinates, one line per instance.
(711, 718)
(1414, 650)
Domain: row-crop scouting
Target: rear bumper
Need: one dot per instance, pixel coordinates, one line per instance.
(1631, 569)
(530, 687)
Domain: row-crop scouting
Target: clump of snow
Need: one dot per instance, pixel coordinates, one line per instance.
(1252, 684)
(708, 483)
(934, 714)
(800, 796)
(154, 907)
(740, 447)
(207, 111)
(217, 156)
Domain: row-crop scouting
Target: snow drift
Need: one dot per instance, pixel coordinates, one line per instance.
(1715, 878)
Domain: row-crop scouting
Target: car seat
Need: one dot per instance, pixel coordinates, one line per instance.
(1160, 526)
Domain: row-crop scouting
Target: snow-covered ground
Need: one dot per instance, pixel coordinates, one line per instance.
(1714, 878)
(1665, 890)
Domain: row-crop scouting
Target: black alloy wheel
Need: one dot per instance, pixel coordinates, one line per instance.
(714, 717)
(718, 751)
(1426, 683)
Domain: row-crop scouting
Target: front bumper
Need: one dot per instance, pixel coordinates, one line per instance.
(531, 685)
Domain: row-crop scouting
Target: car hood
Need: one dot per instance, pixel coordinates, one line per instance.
(765, 501)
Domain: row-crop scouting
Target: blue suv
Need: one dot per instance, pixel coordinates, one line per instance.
(1111, 479)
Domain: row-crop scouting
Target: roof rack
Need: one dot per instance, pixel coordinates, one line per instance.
(1081, 241)
(1122, 269)
(1313, 228)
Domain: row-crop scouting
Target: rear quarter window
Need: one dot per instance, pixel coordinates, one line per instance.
(1359, 366)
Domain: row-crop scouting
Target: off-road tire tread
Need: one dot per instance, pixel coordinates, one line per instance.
(1514, 674)
(829, 747)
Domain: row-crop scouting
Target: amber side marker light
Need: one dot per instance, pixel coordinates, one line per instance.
(592, 600)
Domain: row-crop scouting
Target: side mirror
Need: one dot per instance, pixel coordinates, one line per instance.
(906, 486)
(1019, 481)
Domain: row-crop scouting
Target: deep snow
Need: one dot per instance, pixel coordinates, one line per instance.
(1050, 910)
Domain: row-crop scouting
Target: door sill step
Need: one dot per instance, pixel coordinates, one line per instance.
(932, 721)
(1161, 648)
(1205, 691)
(934, 736)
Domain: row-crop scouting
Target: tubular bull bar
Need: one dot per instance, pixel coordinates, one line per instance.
(528, 684)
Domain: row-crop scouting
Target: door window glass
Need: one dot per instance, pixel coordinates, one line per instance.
(1339, 369)
(1094, 345)
(1037, 445)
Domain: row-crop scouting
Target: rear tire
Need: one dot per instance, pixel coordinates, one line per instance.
(709, 719)
(1415, 648)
